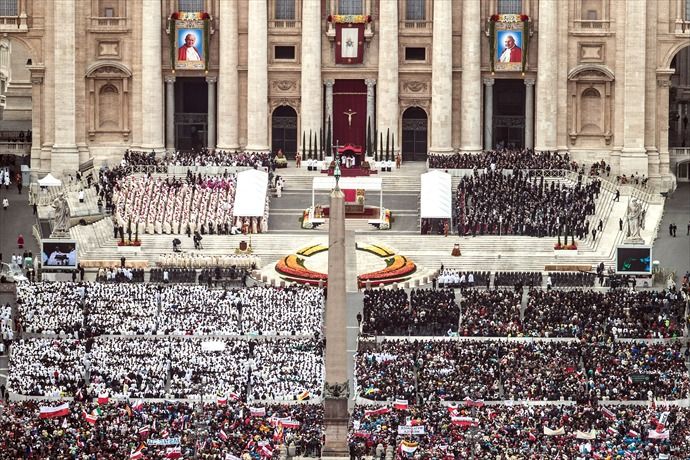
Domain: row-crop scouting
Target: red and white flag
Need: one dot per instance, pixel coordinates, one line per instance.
(658, 434)
(90, 418)
(52, 412)
(612, 431)
(144, 432)
(292, 424)
(173, 452)
(469, 402)
(257, 411)
(608, 414)
(266, 451)
(400, 404)
(103, 398)
(136, 455)
(222, 400)
(379, 411)
(234, 396)
(464, 421)
(222, 435)
(633, 434)
(139, 405)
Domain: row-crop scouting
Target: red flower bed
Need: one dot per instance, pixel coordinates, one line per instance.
(399, 267)
(293, 266)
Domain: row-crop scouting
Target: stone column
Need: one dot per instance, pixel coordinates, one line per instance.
(211, 121)
(311, 86)
(488, 113)
(64, 155)
(169, 112)
(388, 111)
(470, 125)
(371, 101)
(529, 113)
(151, 77)
(329, 110)
(664, 84)
(547, 86)
(228, 84)
(442, 78)
(37, 77)
(257, 78)
(634, 155)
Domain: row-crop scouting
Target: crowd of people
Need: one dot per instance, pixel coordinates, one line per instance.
(503, 159)
(81, 310)
(203, 157)
(121, 429)
(496, 203)
(522, 432)
(423, 312)
(454, 370)
(490, 313)
(266, 370)
(454, 278)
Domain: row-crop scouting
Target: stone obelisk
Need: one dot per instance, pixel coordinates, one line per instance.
(336, 391)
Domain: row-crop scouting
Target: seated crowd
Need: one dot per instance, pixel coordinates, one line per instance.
(86, 309)
(425, 312)
(496, 371)
(453, 278)
(204, 157)
(122, 429)
(518, 279)
(572, 279)
(516, 204)
(503, 159)
(268, 369)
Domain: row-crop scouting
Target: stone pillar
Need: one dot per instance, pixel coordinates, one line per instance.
(488, 113)
(664, 84)
(151, 77)
(257, 78)
(169, 112)
(336, 364)
(529, 113)
(547, 86)
(388, 110)
(371, 104)
(634, 155)
(211, 121)
(470, 125)
(64, 155)
(329, 111)
(228, 84)
(37, 77)
(311, 86)
(442, 78)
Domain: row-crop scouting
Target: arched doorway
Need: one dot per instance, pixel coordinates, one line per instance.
(284, 130)
(414, 134)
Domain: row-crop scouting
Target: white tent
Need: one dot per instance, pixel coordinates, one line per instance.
(250, 196)
(49, 181)
(437, 196)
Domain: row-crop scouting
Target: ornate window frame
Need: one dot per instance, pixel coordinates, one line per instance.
(102, 74)
(580, 80)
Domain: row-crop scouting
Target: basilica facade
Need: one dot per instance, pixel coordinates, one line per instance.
(601, 79)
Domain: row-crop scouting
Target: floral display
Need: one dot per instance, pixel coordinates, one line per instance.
(376, 249)
(349, 19)
(294, 270)
(311, 250)
(398, 269)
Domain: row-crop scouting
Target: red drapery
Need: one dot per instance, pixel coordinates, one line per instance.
(349, 97)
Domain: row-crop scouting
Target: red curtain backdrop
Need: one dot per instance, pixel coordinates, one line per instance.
(350, 96)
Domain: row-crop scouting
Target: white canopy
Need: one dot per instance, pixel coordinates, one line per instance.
(437, 196)
(369, 184)
(49, 181)
(250, 196)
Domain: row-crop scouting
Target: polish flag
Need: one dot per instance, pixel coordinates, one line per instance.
(52, 412)
(173, 452)
(103, 398)
(136, 455)
(90, 418)
(144, 432)
(633, 434)
(266, 451)
(381, 411)
(292, 424)
(234, 396)
(222, 435)
(464, 421)
(612, 431)
(139, 405)
(608, 414)
(469, 402)
(222, 400)
(257, 411)
(400, 404)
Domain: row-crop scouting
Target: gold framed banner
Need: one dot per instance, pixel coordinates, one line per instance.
(189, 41)
(508, 41)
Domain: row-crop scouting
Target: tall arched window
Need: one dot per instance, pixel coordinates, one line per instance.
(509, 6)
(351, 6)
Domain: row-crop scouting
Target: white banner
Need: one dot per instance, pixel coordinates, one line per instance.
(348, 43)
(419, 429)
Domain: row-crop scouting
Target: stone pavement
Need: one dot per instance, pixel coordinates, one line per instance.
(17, 219)
(674, 253)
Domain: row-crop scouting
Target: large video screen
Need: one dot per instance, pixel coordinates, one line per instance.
(59, 254)
(634, 260)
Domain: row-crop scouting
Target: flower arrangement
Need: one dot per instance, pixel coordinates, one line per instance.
(293, 267)
(349, 19)
(375, 249)
(189, 16)
(509, 18)
(569, 247)
(312, 250)
(398, 268)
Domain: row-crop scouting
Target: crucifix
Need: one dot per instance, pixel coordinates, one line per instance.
(349, 114)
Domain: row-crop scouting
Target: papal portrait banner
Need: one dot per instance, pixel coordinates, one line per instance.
(508, 39)
(189, 41)
(349, 38)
